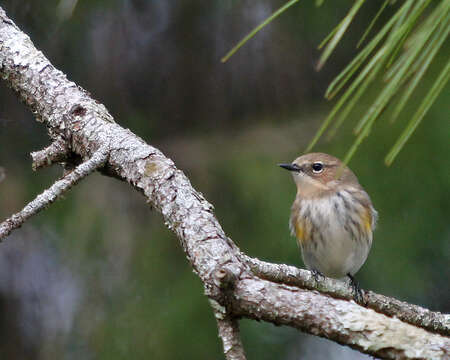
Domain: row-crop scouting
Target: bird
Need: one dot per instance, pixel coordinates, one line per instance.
(332, 217)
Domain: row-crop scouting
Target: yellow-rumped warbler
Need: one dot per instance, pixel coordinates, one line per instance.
(332, 216)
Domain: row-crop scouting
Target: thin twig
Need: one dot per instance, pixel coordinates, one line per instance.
(57, 151)
(225, 278)
(52, 193)
(230, 335)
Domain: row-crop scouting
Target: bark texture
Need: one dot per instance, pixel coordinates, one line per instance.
(235, 286)
(410, 313)
(339, 320)
(231, 340)
(50, 195)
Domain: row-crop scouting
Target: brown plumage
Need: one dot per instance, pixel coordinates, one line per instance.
(332, 216)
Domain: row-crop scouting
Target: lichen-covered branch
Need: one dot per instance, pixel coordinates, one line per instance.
(338, 320)
(57, 151)
(413, 314)
(231, 340)
(51, 194)
(233, 289)
(225, 279)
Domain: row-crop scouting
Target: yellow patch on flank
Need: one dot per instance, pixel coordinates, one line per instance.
(303, 231)
(299, 231)
(367, 220)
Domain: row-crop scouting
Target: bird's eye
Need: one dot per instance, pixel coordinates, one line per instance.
(317, 167)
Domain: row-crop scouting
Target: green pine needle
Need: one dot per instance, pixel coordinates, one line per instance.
(252, 33)
(434, 92)
(424, 62)
(399, 54)
(343, 26)
(372, 23)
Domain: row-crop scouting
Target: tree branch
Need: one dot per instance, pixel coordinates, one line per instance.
(229, 333)
(51, 194)
(57, 151)
(412, 314)
(234, 291)
(228, 326)
(342, 321)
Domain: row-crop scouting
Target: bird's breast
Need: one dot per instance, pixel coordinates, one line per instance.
(334, 233)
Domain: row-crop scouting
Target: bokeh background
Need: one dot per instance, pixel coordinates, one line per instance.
(98, 276)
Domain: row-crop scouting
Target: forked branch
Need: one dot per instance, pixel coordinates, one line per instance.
(57, 151)
(54, 192)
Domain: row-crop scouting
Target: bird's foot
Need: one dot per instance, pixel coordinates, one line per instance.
(358, 293)
(317, 275)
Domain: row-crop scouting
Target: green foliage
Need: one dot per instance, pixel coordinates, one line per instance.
(399, 55)
(336, 35)
(258, 28)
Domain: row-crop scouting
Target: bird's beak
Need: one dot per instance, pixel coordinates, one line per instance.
(290, 167)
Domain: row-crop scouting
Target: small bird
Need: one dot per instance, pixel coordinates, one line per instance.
(332, 217)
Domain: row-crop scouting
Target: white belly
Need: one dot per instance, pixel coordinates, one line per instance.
(335, 251)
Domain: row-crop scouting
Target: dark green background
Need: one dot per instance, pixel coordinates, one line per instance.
(98, 276)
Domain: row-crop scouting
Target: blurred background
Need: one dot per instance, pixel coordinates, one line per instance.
(98, 276)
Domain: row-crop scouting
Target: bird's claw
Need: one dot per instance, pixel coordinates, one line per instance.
(317, 275)
(358, 293)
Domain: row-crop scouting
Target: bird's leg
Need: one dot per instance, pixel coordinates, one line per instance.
(358, 294)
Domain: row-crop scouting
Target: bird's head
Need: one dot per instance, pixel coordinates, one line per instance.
(317, 174)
